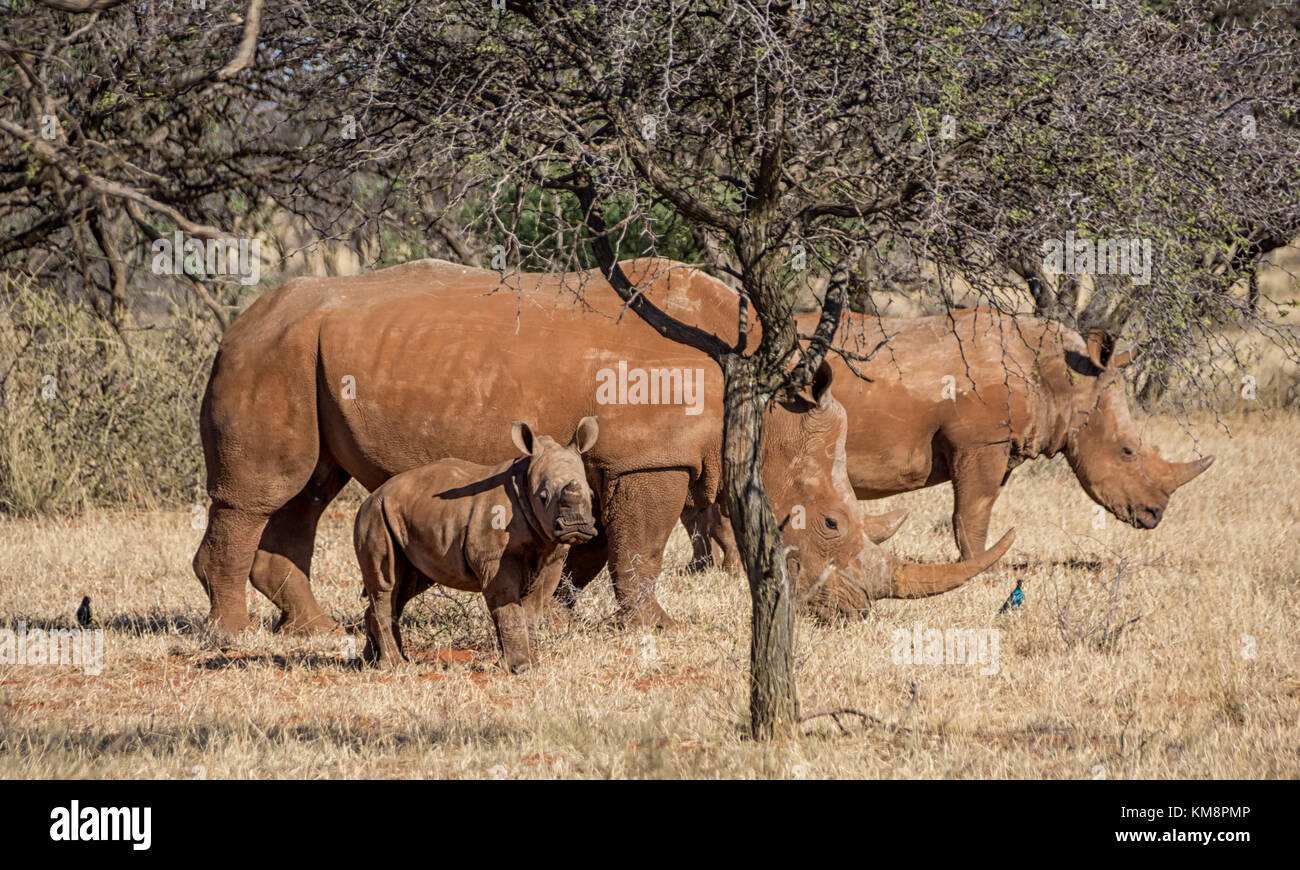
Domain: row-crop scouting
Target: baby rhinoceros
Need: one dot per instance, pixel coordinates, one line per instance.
(501, 530)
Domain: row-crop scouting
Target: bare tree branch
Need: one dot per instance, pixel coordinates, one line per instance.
(247, 45)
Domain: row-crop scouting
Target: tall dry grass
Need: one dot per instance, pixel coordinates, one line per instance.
(1170, 653)
(89, 416)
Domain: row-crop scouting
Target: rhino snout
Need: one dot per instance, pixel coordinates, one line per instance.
(574, 525)
(574, 531)
(1146, 517)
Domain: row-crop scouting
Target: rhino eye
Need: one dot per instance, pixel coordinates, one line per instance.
(544, 495)
(1129, 452)
(832, 524)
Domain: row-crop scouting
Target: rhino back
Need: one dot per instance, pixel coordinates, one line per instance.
(940, 384)
(441, 516)
(436, 360)
(258, 417)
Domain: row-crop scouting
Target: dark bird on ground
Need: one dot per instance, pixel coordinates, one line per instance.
(83, 612)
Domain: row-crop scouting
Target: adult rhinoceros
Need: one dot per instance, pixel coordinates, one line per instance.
(323, 380)
(968, 398)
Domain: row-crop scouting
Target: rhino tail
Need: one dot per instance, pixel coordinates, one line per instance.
(372, 535)
(911, 580)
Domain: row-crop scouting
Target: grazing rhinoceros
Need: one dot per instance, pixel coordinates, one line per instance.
(967, 399)
(713, 543)
(502, 530)
(326, 379)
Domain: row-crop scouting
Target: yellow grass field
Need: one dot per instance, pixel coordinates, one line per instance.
(1172, 653)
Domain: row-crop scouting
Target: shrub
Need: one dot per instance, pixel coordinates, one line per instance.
(91, 416)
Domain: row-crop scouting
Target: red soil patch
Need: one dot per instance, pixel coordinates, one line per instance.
(34, 706)
(539, 758)
(446, 656)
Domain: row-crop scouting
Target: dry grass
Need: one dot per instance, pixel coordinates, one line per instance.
(89, 416)
(1140, 676)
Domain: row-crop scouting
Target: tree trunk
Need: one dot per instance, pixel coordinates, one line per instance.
(773, 708)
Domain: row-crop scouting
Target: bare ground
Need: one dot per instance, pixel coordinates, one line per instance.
(1171, 653)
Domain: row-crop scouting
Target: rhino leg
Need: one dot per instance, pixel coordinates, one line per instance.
(977, 477)
(384, 572)
(695, 521)
(725, 539)
(585, 561)
(223, 562)
(540, 592)
(261, 444)
(582, 565)
(712, 540)
(282, 568)
(640, 512)
(408, 586)
(503, 594)
(383, 646)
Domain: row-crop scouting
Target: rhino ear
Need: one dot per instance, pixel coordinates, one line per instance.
(819, 390)
(1120, 360)
(821, 384)
(816, 393)
(522, 435)
(1101, 344)
(584, 437)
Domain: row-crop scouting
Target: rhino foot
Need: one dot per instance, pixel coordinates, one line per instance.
(218, 633)
(316, 624)
(385, 661)
(647, 616)
(517, 668)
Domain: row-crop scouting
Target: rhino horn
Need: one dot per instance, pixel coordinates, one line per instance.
(881, 527)
(910, 580)
(1182, 472)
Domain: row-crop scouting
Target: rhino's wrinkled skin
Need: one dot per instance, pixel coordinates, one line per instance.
(967, 399)
(502, 530)
(326, 379)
